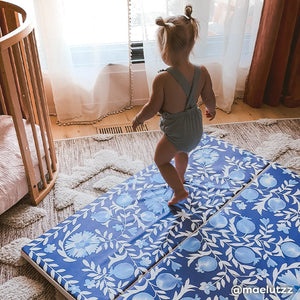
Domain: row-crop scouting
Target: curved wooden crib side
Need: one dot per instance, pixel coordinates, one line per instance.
(22, 96)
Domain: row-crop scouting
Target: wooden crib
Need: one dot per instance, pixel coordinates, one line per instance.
(22, 100)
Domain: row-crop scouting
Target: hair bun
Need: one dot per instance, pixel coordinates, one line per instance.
(160, 21)
(188, 11)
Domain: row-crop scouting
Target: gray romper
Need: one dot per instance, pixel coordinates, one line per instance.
(184, 129)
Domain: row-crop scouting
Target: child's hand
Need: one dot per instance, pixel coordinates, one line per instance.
(135, 123)
(210, 115)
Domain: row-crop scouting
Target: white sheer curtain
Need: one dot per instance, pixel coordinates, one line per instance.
(84, 51)
(228, 30)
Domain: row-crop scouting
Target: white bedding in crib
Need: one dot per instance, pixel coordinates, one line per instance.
(13, 182)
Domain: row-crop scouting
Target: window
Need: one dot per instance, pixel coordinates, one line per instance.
(137, 52)
(97, 33)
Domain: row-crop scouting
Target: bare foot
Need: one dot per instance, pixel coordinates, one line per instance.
(178, 197)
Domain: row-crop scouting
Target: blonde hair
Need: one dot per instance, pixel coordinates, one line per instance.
(177, 34)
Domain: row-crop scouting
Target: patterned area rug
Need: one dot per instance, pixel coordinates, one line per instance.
(91, 166)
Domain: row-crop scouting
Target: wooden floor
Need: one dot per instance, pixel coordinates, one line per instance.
(121, 122)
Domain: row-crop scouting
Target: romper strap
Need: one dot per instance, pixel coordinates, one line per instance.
(178, 76)
(191, 101)
(189, 90)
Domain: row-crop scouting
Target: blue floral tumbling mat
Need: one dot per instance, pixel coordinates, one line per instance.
(239, 228)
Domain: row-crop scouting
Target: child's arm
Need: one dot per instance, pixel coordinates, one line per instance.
(208, 96)
(153, 105)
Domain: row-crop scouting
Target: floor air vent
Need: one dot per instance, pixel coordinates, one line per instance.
(143, 127)
(126, 128)
(109, 130)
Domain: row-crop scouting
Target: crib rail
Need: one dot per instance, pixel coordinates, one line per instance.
(22, 96)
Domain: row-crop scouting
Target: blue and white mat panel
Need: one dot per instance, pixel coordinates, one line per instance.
(239, 228)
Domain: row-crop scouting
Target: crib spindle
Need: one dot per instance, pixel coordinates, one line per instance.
(2, 102)
(24, 88)
(3, 25)
(42, 97)
(11, 16)
(28, 78)
(37, 101)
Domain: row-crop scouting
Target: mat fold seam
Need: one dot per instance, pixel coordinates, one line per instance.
(198, 228)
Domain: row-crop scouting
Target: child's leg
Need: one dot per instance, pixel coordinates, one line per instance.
(181, 162)
(165, 151)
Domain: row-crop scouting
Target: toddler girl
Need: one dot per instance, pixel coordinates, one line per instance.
(174, 94)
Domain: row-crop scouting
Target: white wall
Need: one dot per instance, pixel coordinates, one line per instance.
(140, 93)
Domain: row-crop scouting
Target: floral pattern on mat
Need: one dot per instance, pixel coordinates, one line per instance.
(130, 231)
(248, 250)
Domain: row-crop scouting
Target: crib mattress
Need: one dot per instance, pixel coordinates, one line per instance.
(13, 182)
(238, 228)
